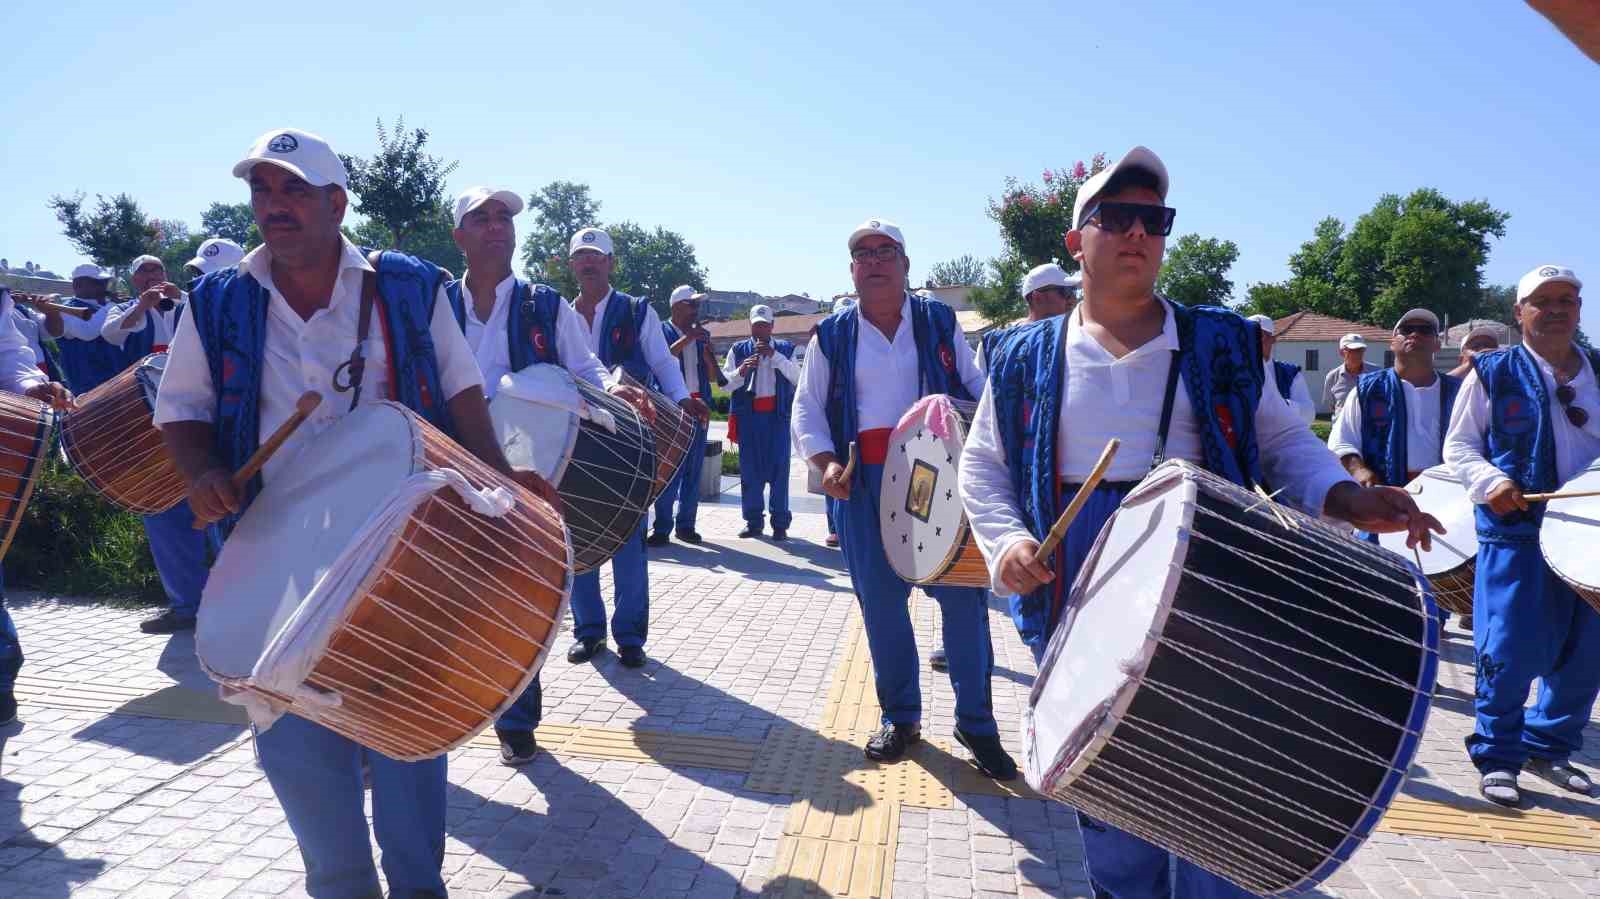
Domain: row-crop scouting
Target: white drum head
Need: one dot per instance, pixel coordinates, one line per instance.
(535, 413)
(1438, 493)
(149, 374)
(919, 507)
(299, 524)
(1567, 536)
(1111, 627)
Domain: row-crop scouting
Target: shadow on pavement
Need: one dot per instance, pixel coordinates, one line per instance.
(48, 872)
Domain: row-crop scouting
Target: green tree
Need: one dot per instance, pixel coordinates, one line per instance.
(401, 186)
(1196, 271)
(559, 210)
(235, 221)
(176, 245)
(431, 240)
(1000, 298)
(1272, 300)
(112, 235)
(651, 263)
(1034, 220)
(967, 269)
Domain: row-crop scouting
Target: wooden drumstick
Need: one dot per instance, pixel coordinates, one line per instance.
(1569, 494)
(303, 407)
(849, 465)
(1059, 531)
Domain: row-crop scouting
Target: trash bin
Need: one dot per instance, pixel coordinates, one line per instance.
(711, 471)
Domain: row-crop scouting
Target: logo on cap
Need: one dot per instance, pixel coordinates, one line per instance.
(1549, 271)
(588, 237)
(213, 250)
(283, 143)
(874, 224)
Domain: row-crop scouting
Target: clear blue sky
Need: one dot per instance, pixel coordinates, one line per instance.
(764, 135)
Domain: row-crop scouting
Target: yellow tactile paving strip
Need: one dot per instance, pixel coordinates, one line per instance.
(837, 847)
(1516, 827)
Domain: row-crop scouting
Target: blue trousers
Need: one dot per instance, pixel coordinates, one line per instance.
(10, 645)
(524, 714)
(1118, 863)
(764, 468)
(685, 488)
(316, 775)
(180, 554)
(631, 620)
(1527, 625)
(883, 596)
(831, 507)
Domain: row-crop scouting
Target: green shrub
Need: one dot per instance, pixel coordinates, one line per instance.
(730, 461)
(72, 542)
(1321, 429)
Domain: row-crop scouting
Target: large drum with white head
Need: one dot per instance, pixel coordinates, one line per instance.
(388, 586)
(924, 527)
(1243, 689)
(593, 447)
(1570, 535)
(111, 441)
(673, 431)
(1453, 558)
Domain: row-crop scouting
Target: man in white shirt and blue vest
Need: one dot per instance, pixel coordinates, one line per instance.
(1169, 381)
(87, 360)
(1287, 378)
(622, 331)
(692, 345)
(762, 375)
(1527, 420)
(865, 368)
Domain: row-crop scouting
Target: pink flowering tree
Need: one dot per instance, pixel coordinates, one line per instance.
(1034, 219)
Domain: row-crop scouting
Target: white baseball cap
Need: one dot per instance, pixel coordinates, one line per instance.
(1483, 328)
(1417, 315)
(1048, 275)
(473, 197)
(300, 152)
(1268, 326)
(90, 270)
(217, 253)
(683, 293)
(1352, 342)
(1137, 158)
(590, 239)
(761, 314)
(878, 226)
(1543, 275)
(844, 303)
(144, 260)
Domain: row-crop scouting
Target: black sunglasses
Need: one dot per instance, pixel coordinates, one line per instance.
(1575, 414)
(1423, 328)
(1118, 218)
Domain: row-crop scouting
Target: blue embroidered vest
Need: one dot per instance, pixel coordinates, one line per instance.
(142, 342)
(88, 363)
(1383, 421)
(530, 322)
(1219, 358)
(743, 400)
(1521, 438)
(933, 326)
(230, 314)
(707, 377)
(621, 334)
(1285, 372)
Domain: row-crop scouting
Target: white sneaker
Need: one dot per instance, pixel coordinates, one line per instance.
(1561, 773)
(1500, 787)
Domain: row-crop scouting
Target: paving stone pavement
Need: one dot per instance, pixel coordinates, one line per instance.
(745, 635)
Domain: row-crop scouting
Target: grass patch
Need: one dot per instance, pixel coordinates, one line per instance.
(730, 461)
(1321, 429)
(72, 542)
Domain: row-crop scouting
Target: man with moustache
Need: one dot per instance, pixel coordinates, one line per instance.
(621, 330)
(1129, 364)
(692, 345)
(865, 368)
(252, 340)
(86, 358)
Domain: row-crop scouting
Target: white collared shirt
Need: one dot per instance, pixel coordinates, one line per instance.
(652, 341)
(491, 349)
(888, 382)
(303, 354)
(1424, 443)
(85, 329)
(29, 324)
(166, 323)
(19, 367)
(1467, 441)
(1105, 397)
(1300, 398)
(767, 371)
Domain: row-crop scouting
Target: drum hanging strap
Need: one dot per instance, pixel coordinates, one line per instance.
(1166, 412)
(357, 363)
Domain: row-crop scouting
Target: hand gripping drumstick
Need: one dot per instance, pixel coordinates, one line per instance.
(1059, 531)
(303, 407)
(849, 465)
(1570, 494)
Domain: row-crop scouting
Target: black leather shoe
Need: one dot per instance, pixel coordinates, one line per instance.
(584, 650)
(631, 656)
(938, 661)
(689, 537)
(890, 743)
(167, 622)
(987, 753)
(8, 708)
(658, 539)
(750, 531)
(517, 747)
(780, 533)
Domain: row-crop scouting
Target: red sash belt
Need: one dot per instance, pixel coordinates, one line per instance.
(696, 395)
(766, 404)
(874, 445)
(159, 348)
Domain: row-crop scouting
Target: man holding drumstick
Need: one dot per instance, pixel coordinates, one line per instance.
(254, 339)
(1526, 421)
(1128, 364)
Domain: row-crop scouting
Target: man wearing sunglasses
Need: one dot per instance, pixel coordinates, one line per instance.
(1048, 290)
(1168, 381)
(1525, 423)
